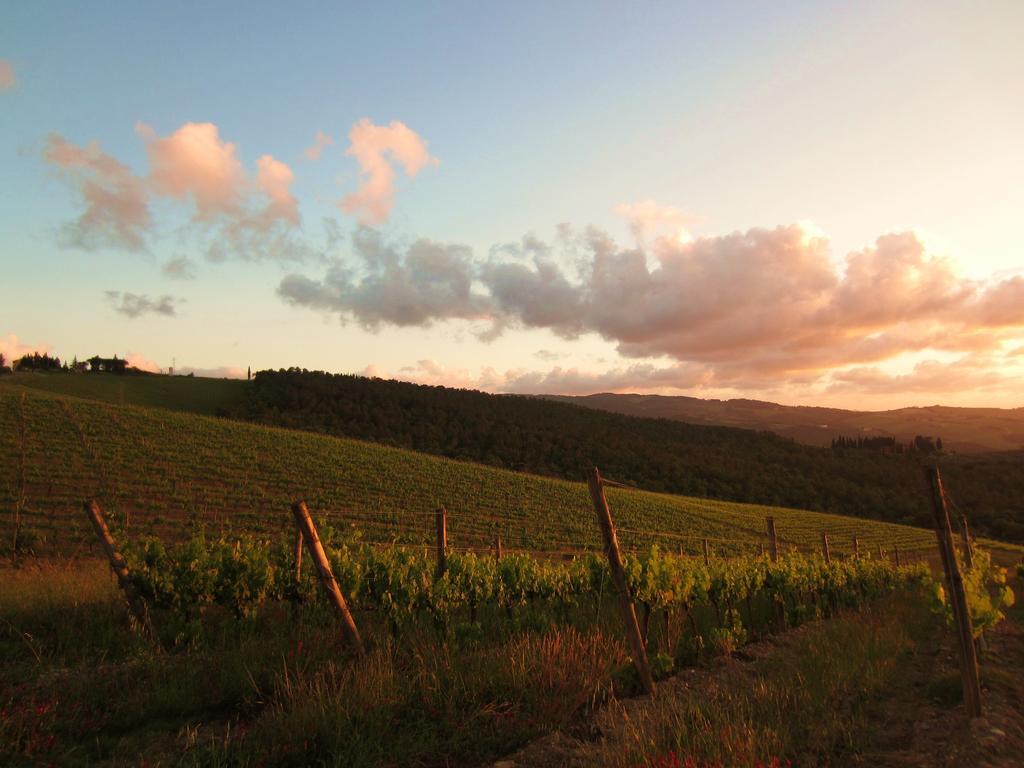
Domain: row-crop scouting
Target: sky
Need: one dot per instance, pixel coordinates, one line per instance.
(810, 203)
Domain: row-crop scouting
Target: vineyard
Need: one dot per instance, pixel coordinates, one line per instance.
(402, 586)
(160, 473)
(483, 627)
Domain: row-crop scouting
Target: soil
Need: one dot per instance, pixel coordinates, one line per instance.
(917, 724)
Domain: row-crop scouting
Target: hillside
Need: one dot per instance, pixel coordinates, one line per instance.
(177, 393)
(158, 471)
(965, 430)
(556, 439)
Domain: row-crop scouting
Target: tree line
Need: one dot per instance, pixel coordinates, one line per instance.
(44, 362)
(544, 437)
(923, 444)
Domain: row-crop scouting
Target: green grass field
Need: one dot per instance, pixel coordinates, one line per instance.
(157, 472)
(177, 393)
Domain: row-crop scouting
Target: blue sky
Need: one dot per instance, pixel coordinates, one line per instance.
(847, 122)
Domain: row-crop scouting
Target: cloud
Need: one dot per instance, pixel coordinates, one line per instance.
(275, 180)
(193, 163)
(558, 380)
(7, 78)
(180, 268)
(136, 360)
(433, 373)
(231, 214)
(235, 215)
(548, 356)
(135, 305)
(647, 217)
(320, 143)
(747, 310)
(765, 304)
(12, 348)
(929, 376)
(572, 381)
(219, 372)
(377, 148)
(428, 281)
(116, 211)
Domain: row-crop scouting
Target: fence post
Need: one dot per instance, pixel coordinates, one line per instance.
(773, 539)
(824, 548)
(120, 568)
(856, 547)
(442, 541)
(881, 554)
(965, 536)
(316, 551)
(497, 548)
(896, 554)
(298, 555)
(965, 632)
(611, 547)
(707, 553)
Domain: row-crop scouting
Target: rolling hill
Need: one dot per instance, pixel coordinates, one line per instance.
(965, 430)
(160, 472)
(542, 437)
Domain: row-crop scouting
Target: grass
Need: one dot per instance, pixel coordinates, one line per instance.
(158, 472)
(797, 706)
(177, 393)
(79, 687)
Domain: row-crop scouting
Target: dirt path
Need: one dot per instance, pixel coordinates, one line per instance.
(917, 721)
(920, 721)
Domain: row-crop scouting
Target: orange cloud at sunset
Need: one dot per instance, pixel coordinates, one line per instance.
(320, 143)
(376, 147)
(754, 310)
(275, 180)
(12, 348)
(116, 206)
(194, 162)
(7, 78)
(231, 214)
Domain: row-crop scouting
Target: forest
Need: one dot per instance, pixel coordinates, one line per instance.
(534, 435)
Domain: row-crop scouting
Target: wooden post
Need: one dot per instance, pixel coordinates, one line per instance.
(957, 596)
(856, 547)
(824, 548)
(773, 539)
(707, 553)
(611, 546)
(896, 554)
(120, 568)
(298, 556)
(965, 540)
(680, 548)
(881, 555)
(497, 548)
(316, 551)
(442, 541)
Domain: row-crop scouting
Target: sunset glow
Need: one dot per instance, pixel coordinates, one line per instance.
(811, 207)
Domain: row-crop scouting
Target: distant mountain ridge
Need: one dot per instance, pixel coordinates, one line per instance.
(965, 430)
